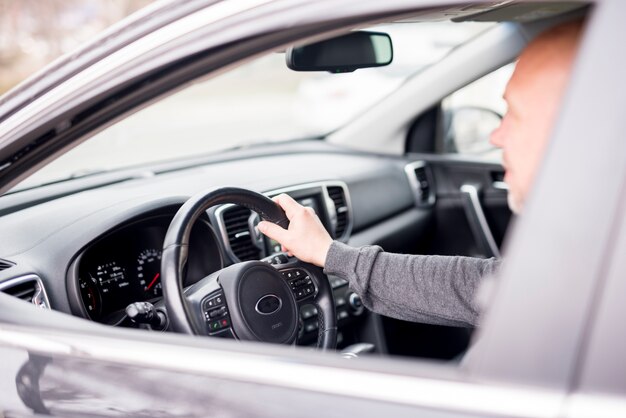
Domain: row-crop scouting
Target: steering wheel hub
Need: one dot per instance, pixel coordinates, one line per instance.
(263, 306)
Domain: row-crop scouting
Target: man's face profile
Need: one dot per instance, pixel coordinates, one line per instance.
(533, 95)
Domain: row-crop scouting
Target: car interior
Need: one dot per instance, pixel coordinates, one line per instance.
(409, 168)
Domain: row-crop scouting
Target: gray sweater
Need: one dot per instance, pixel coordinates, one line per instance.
(431, 289)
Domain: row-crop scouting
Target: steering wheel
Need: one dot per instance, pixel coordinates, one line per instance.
(251, 300)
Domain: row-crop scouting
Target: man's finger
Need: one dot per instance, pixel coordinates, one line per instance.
(289, 205)
(273, 231)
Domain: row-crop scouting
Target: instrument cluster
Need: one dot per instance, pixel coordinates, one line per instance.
(125, 267)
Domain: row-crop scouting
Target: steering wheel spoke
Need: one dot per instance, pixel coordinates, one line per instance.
(301, 284)
(310, 286)
(208, 306)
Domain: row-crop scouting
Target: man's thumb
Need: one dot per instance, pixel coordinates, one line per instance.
(273, 231)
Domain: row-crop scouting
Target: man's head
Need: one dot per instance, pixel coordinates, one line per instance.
(533, 96)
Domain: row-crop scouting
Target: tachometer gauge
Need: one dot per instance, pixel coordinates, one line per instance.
(149, 272)
(92, 300)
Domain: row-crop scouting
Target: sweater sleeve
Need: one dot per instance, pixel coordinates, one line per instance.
(430, 289)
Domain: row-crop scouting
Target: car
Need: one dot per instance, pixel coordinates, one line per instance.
(142, 263)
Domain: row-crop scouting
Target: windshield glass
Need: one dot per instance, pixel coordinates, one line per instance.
(260, 101)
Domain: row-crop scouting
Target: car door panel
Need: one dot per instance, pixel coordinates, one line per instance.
(453, 229)
(455, 232)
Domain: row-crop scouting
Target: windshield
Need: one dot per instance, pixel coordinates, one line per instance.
(260, 101)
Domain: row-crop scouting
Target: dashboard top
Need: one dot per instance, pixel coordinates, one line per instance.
(116, 203)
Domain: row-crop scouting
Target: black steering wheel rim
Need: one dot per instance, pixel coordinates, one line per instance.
(176, 249)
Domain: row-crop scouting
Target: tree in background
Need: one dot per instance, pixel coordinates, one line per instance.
(35, 32)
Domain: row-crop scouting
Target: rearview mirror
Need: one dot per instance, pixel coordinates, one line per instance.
(343, 54)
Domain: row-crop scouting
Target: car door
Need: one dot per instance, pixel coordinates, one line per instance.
(600, 385)
(532, 334)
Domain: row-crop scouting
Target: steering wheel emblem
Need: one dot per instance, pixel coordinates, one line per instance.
(268, 304)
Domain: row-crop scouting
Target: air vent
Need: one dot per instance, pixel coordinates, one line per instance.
(423, 186)
(28, 288)
(4, 264)
(237, 226)
(338, 196)
(419, 178)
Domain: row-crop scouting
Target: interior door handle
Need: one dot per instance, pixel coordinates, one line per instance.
(497, 180)
(500, 185)
(478, 221)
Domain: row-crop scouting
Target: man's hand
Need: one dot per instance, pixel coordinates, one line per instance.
(305, 238)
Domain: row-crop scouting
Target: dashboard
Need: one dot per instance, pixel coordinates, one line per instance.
(94, 248)
(123, 266)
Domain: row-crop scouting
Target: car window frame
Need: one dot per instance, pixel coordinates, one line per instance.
(501, 359)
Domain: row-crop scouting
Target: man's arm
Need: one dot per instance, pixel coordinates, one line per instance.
(431, 289)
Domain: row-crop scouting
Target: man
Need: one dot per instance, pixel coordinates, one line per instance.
(436, 289)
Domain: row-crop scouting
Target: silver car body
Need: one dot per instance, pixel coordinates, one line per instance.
(552, 338)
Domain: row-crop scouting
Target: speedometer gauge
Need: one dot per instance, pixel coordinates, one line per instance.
(149, 272)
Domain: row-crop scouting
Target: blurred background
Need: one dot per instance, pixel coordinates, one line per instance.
(35, 32)
(257, 102)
